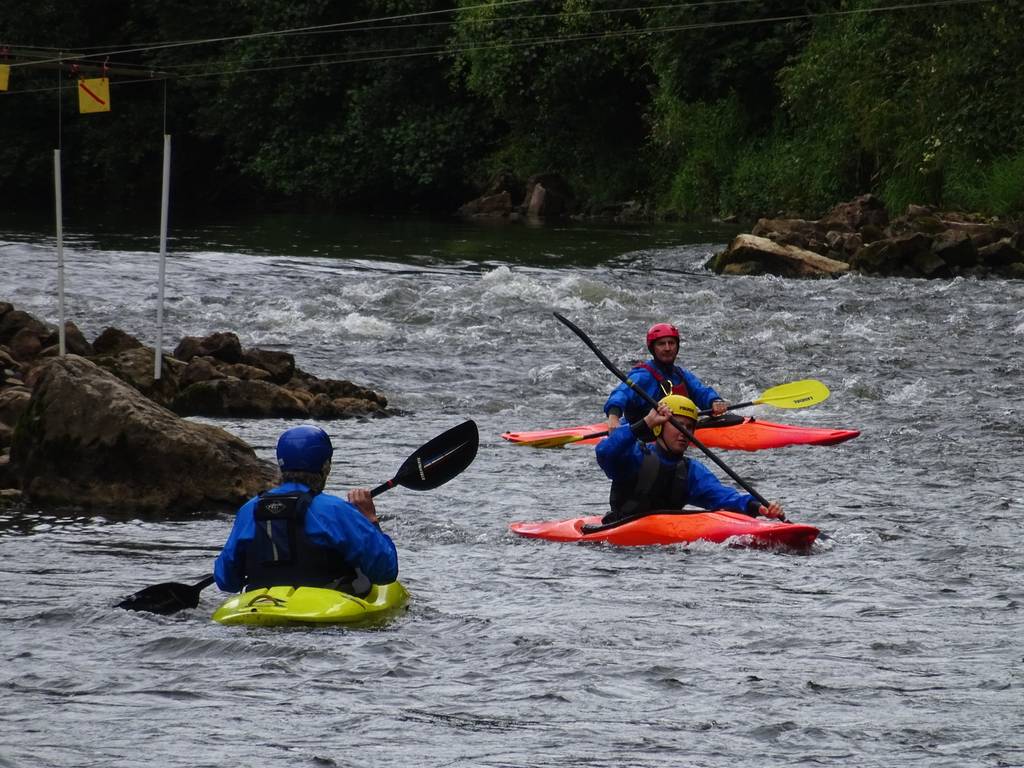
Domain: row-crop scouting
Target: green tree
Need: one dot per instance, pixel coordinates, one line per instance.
(358, 111)
(926, 99)
(716, 97)
(566, 81)
(708, 107)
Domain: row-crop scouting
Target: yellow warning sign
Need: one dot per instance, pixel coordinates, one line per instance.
(5, 73)
(94, 95)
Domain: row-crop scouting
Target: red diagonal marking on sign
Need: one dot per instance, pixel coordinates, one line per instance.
(84, 87)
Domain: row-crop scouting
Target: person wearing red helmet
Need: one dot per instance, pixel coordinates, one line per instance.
(659, 377)
(297, 535)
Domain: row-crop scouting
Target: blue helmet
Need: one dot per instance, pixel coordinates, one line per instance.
(303, 449)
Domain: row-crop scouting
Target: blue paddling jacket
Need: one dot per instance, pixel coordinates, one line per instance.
(657, 381)
(291, 537)
(646, 478)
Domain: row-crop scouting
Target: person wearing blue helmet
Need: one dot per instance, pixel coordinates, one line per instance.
(297, 535)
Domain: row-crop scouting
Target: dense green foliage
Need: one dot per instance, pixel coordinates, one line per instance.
(566, 81)
(928, 103)
(736, 106)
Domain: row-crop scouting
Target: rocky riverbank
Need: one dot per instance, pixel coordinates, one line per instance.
(858, 236)
(96, 428)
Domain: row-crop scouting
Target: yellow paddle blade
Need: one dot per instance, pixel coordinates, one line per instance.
(795, 394)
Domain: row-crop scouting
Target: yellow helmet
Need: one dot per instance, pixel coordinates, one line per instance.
(680, 406)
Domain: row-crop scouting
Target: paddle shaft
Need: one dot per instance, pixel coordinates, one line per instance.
(737, 405)
(383, 487)
(654, 404)
(203, 584)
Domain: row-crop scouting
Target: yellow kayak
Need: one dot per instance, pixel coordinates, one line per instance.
(279, 606)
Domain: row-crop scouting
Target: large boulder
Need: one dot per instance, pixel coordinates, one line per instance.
(8, 365)
(1000, 254)
(924, 242)
(87, 439)
(494, 206)
(549, 195)
(114, 340)
(808, 235)
(135, 366)
(199, 369)
(905, 255)
(253, 383)
(855, 215)
(239, 398)
(26, 344)
(280, 365)
(751, 255)
(955, 248)
(16, 321)
(223, 345)
(500, 200)
(13, 402)
(74, 341)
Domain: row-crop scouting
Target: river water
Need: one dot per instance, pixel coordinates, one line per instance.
(896, 642)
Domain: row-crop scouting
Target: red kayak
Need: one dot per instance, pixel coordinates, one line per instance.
(678, 528)
(748, 434)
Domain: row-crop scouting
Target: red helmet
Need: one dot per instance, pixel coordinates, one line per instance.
(661, 331)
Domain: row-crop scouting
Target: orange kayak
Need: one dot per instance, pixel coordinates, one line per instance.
(750, 434)
(678, 528)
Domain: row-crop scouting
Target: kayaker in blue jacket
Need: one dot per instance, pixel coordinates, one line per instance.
(658, 377)
(646, 463)
(296, 535)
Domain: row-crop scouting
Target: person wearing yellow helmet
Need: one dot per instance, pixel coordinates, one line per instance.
(658, 377)
(646, 463)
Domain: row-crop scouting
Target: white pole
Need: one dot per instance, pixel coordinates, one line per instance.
(165, 196)
(60, 249)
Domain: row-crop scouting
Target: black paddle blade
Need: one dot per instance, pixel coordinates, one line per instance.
(439, 460)
(167, 598)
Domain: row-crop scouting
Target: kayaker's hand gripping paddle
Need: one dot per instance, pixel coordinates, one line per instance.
(432, 464)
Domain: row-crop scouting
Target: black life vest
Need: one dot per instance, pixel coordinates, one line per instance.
(282, 554)
(656, 486)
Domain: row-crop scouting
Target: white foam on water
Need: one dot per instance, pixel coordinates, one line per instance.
(915, 392)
